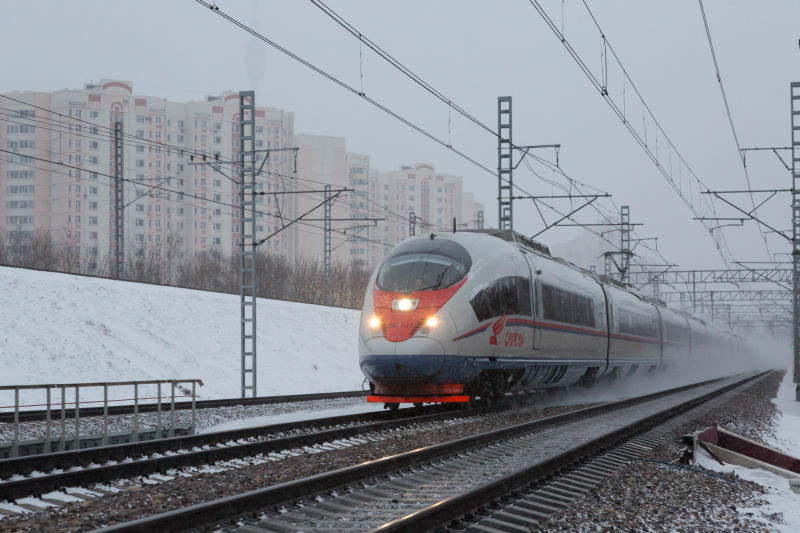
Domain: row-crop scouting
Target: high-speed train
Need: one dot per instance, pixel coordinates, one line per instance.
(453, 317)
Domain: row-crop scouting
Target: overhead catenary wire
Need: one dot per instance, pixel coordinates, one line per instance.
(59, 126)
(136, 141)
(215, 9)
(733, 127)
(174, 191)
(719, 237)
(341, 83)
(359, 34)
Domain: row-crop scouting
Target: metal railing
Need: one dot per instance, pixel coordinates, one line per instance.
(61, 407)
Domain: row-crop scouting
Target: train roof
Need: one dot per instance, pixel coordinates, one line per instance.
(542, 249)
(512, 236)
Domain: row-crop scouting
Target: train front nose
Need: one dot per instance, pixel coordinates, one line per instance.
(415, 360)
(403, 325)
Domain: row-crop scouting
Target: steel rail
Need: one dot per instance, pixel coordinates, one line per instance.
(60, 464)
(458, 506)
(41, 414)
(215, 511)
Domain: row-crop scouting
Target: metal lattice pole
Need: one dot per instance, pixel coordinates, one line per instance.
(625, 243)
(247, 252)
(794, 95)
(505, 178)
(328, 230)
(119, 205)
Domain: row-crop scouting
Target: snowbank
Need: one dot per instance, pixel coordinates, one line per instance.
(57, 328)
(779, 497)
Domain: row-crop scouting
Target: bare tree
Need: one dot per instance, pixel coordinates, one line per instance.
(304, 281)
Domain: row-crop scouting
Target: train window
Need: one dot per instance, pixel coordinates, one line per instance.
(419, 272)
(566, 306)
(636, 324)
(424, 264)
(676, 332)
(510, 296)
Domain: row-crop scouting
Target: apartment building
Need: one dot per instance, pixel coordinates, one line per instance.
(180, 193)
(433, 199)
(180, 171)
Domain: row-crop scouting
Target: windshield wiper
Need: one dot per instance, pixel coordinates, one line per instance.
(439, 280)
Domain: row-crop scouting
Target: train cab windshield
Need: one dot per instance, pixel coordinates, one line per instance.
(421, 265)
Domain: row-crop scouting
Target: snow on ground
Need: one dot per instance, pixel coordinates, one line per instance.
(780, 498)
(61, 328)
(787, 432)
(359, 406)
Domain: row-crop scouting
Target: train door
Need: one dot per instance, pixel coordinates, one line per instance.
(530, 268)
(661, 336)
(609, 325)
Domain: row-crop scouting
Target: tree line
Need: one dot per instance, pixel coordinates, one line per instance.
(303, 281)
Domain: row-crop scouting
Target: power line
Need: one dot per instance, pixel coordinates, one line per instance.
(108, 129)
(137, 141)
(602, 89)
(180, 194)
(730, 121)
(400, 66)
(347, 87)
(55, 125)
(428, 87)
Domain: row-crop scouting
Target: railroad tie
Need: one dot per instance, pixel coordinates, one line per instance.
(505, 525)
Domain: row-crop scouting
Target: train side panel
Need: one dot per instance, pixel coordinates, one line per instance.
(635, 331)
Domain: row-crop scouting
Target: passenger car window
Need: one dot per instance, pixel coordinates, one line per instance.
(566, 306)
(510, 296)
(637, 324)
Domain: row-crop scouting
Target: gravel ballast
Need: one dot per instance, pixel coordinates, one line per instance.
(144, 497)
(658, 494)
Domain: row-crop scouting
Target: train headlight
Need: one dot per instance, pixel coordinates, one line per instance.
(374, 322)
(432, 322)
(404, 304)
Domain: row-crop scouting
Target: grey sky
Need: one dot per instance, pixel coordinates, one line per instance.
(473, 52)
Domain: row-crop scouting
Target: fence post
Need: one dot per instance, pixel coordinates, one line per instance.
(135, 412)
(77, 445)
(47, 424)
(15, 444)
(172, 407)
(160, 432)
(194, 388)
(105, 414)
(62, 438)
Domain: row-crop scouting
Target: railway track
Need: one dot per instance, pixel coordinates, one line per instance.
(127, 409)
(34, 475)
(425, 488)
